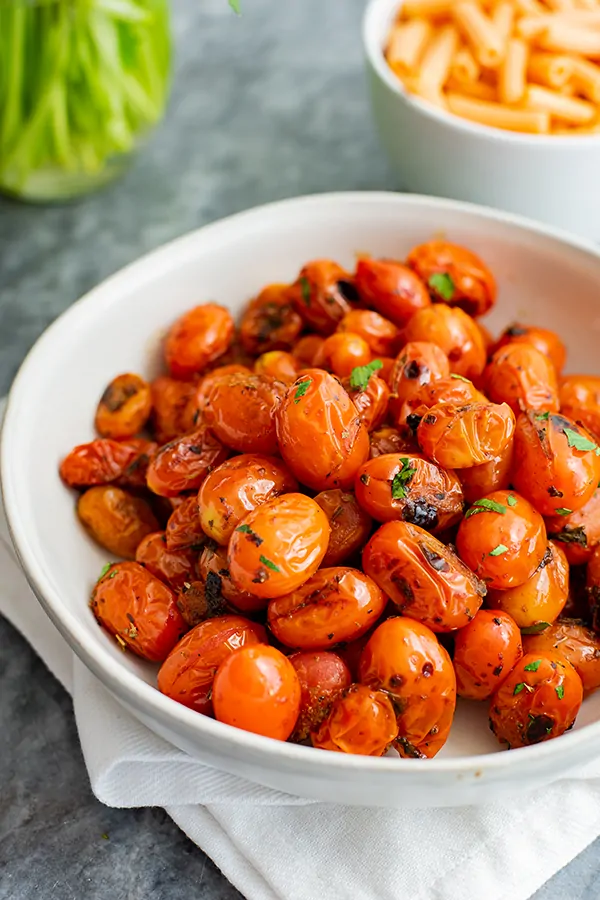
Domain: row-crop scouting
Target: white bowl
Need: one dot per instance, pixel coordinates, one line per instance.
(543, 277)
(552, 178)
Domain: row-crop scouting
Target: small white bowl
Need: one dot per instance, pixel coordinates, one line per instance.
(554, 179)
(543, 277)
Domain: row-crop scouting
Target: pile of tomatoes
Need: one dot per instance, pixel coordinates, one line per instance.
(353, 507)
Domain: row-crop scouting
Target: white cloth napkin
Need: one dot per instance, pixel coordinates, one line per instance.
(272, 846)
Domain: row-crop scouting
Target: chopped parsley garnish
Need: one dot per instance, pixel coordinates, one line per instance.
(543, 417)
(104, 570)
(563, 511)
(252, 535)
(499, 550)
(245, 529)
(512, 501)
(533, 666)
(270, 565)
(305, 290)
(560, 691)
(442, 284)
(535, 629)
(302, 389)
(486, 505)
(460, 377)
(518, 688)
(579, 441)
(359, 377)
(401, 479)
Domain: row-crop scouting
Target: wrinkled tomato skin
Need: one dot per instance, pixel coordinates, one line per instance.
(183, 464)
(256, 688)
(428, 496)
(592, 583)
(197, 339)
(214, 571)
(174, 567)
(478, 481)
(361, 721)
(422, 576)
(451, 390)
(183, 530)
(455, 333)
(240, 410)
(418, 363)
(277, 364)
(474, 286)
(578, 533)
(542, 597)
(544, 340)
(371, 403)
(306, 350)
(124, 407)
(115, 519)
(322, 295)
(518, 374)
(404, 658)
(336, 604)
(350, 525)
(141, 611)
(485, 653)
(188, 673)
(544, 708)
(278, 546)
(460, 437)
(579, 397)
(342, 352)
(548, 471)
(518, 529)
(322, 676)
(270, 322)
(320, 435)
(574, 641)
(99, 462)
(389, 440)
(205, 385)
(382, 336)
(237, 487)
(173, 408)
(134, 475)
(391, 288)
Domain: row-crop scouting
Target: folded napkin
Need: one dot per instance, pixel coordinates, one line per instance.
(272, 846)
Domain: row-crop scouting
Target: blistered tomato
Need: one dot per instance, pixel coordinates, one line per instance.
(183, 464)
(455, 333)
(116, 519)
(124, 407)
(277, 364)
(183, 529)
(459, 437)
(579, 397)
(371, 401)
(520, 375)
(485, 653)
(342, 352)
(174, 567)
(197, 339)
(544, 340)
(323, 676)
(240, 409)
(478, 481)
(578, 533)
(418, 363)
(322, 295)
(391, 288)
(270, 322)
(360, 721)
(381, 335)
(173, 408)
(454, 275)
(453, 389)
(350, 525)
(102, 461)
(575, 642)
(214, 571)
(542, 598)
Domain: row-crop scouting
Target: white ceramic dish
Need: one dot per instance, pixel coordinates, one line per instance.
(543, 276)
(553, 179)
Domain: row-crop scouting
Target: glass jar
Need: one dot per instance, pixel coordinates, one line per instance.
(81, 84)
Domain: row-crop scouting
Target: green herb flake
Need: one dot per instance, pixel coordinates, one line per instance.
(305, 290)
(535, 629)
(560, 691)
(579, 441)
(270, 565)
(302, 389)
(543, 417)
(401, 479)
(442, 284)
(518, 688)
(485, 505)
(460, 377)
(563, 511)
(245, 529)
(113, 573)
(105, 569)
(533, 666)
(512, 501)
(359, 377)
(499, 550)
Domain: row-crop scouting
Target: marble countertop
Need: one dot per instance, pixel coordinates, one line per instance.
(268, 106)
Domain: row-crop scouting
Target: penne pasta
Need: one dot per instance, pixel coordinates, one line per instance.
(465, 68)
(499, 116)
(479, 31)
(512, 72)
(477, 89)
(503, 18)
(568, 109)
(435, 66)
(407, 44)
(586, 79)
(550, 69)
(562, 38)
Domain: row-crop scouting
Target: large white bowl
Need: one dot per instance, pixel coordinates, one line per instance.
(543, 276)
(552, 178)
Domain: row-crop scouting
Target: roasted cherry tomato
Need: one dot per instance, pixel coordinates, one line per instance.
(197, 339)
(277, 364)
(579, 397)
(205, 385)
(485, 653)
(544, 340)
(502, 538)
(391, 288)
(455, 333)
(124, 407)
(320, 434)
(418, 363)
(134, 475)
(459, 437)
(381, 335)
(342, 352)
(578, 532)
(240, 410)
(214, 572)
(360, 721)
(336, 604)
(371, 401)
(575, 642)
(278, 546)
(538, 701)
(188, 673)
(116, 519)
(454, 275)
(478, 481)
(183, 464)
(173, 408)
(256, 688)
(174, 567)
(555, 464)
(270, 322)
(141, 611)
(238, 486)
(405, 659)
(409, 488)
(453, 389)
(306, 350)
(100, 462)
(322, 295)
(183, 529)
(542, 598)
(520, 375)
(322, 676)
(350, 525)
(422, 576)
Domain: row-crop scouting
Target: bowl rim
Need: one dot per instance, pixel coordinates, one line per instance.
(125, 685)
(379, 11)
